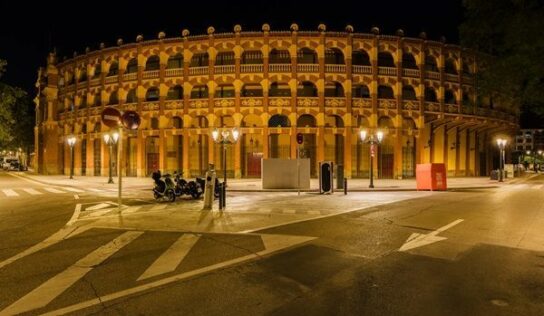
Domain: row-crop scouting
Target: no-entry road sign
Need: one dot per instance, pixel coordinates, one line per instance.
(111, 117)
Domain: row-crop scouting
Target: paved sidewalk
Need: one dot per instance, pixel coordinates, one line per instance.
(254, 185)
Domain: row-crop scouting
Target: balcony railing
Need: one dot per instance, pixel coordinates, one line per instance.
(225, 69)
(95, 82)
(112, 79)
(130, 106)
(450, 77)
(307, 101)
(359, 69)
(151, 106)
(130, 76)
(198, 71)
(410, 72)
(251, 101)
(308, 67)
(335, 68)
(410, 105)
(198, 103)
(174, 72)
(224, 102)
(468, 78)
(432, 106)
(335, 102)
(151, 74)
(361, 102)
(432, 75)
(279, 101)
(452, 108)
(251, 68)
(388, 71)
(387, 104)
(279, 67)
(173, 104)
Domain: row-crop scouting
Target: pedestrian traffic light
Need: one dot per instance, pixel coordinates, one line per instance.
(300, 138)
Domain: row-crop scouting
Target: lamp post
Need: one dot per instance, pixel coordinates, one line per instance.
(501, 142)
(374, 140)
(71, 142)
(111, 139)
(225, 137)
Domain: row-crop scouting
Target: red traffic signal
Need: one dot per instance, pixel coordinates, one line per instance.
(300, 138)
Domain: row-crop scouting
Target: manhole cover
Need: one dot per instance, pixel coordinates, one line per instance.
(499, 302)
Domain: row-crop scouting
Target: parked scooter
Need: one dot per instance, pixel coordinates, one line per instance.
(164, 189)
(191, 188)
(202, 183)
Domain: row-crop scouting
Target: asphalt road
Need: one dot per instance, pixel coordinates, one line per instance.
(463, 252)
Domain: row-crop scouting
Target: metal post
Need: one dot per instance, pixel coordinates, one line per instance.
(345, 186)
(110, 145)
(220, 196)
(224, 193)
(224, 164)
(120, 168)
(500, 164)
(371, 168)
(298, 168)
(71, 161)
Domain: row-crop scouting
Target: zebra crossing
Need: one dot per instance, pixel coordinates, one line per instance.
(22, 192)
(173, 256)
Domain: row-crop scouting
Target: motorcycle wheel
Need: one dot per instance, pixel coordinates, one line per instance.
(156, 195)
(195, 195)
(171, 196)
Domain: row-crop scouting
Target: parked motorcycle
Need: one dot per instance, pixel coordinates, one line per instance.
(164, 189)
(202, 183)
(191, 188)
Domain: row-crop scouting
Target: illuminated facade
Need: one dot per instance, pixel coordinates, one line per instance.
(271, 85)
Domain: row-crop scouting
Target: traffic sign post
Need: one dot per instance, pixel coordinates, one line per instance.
(300, 140)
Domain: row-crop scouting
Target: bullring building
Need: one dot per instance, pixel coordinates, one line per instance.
(271, 85)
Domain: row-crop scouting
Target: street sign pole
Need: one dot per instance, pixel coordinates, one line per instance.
(298, 168)
(120, 168)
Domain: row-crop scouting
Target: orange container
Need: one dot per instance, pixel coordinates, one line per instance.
(431, 176)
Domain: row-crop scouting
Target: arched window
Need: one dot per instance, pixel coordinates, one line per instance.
(360, 58)
(200, 121)
(252, 57)
(385, 59)
(175, 62)
(153, 63)
(430, 95)
(83, 102)
(224, 58)
(114, 98)
(224, 91)
(279, 57)
(306, 55)
(175, 93)
(466, 68)
(467, 98)
(84, 128)
(334, 89)
(199, 60)
(177, 122)
(408, 93)
(114, 69)
(83, 75)
(385, 122)
(152, 94)
(306, 120)
(306, 89)
(279, 90)
(408, 61)
(132, 66)
(450, 67)
(154, 123)
(408, 123)
(279, 121)
(385, 92)
(97, 71)
(430, 63)
(360, 91)
(97, 127)
(199, 92)
(333, 121)
(131, 96)
(252, 90)
(449, 97)
(334, 56)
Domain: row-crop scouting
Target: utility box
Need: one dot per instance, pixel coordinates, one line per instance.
(326, 177)
(431, 176)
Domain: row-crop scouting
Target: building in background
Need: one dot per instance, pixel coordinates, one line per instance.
(271, 85)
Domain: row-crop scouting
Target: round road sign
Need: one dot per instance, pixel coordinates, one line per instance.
(111, 117)
(131, 120)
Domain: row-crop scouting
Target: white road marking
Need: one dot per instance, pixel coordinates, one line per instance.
(72, 189)
(76, 196)
(541, 187)
(75, 216)
(52, 288)
(417, 240)
(32, 191)
(172, 257)
(101, 212)
(10, 192)
(273, 243)
(53, 190)
(95, 190)
(158, 207)
(131, 209)
(289, 211)
(97, 207)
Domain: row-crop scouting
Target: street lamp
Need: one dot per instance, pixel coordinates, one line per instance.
(374, 140)
(225, 137)
(71, 142)
(501, 142)
(111, 139)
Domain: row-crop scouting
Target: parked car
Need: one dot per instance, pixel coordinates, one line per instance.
(14, 165)
(6, 165)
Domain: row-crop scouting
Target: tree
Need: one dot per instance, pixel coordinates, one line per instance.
(16, 116)
(508, 34)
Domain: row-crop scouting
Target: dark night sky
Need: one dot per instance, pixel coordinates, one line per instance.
(29, 30)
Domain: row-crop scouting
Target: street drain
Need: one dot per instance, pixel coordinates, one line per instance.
(500, 303)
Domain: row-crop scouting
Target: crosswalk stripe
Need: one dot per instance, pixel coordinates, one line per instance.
(158, 207)
(10, 192)
(32, 191)
(52, 288)
(53, 190)
(95, 190)
(172, 257)
(72, 189)
(131, 209)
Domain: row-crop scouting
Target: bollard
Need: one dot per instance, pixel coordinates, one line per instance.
(224, 193)
(220, 200)
(345, 186)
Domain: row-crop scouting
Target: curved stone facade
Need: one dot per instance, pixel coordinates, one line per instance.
(271, 85)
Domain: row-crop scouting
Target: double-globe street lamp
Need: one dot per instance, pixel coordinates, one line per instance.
(501, 142)
(225, 137)
(111, 139)
(374, 140)
(71, 142)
